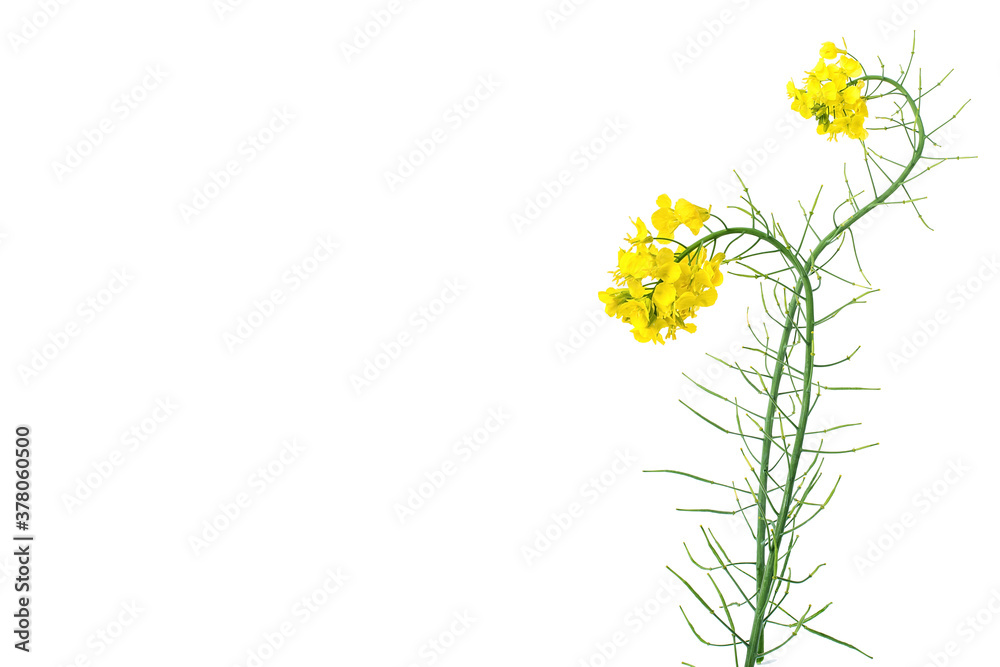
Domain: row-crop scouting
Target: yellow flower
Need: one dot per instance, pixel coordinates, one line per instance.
(650, 331)
(838, 78)
(664, 218)
(852, 95)
(856, 127)
(821, 71)
(641, 233)
(635, 312)
(668, 218)
(690, 215)
(698, 282)
(850, 66)
(823, 124)
(838, 126)
(862, 108)
(663, 296)
(637, 263)
(680, 286)
(829, 50)
(612, 298)
(635, 288)
(830, 91)
(803, 101)
(667, 269)
(838, 108)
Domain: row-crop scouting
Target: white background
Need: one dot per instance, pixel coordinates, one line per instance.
(517, 338)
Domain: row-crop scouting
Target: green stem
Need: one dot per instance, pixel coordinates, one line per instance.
(767, 558)
(765, 572)
(918, 151)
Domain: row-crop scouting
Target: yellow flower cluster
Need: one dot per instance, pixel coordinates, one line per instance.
(657, 292)
(838, 107)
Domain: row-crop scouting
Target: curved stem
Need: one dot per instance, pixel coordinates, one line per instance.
(765, 572)
(767, 559)
(766, 569)
(918, 151)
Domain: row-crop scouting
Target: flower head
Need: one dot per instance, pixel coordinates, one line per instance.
(669, 217)
(658, 289)
(829, 50)
(829, 96)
